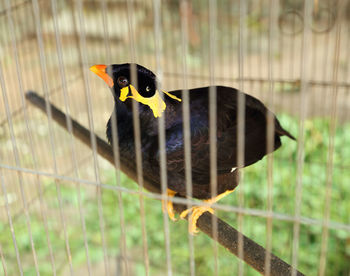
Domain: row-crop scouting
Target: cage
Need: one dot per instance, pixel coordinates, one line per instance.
(66, 210)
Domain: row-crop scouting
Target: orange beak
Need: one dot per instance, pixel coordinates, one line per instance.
(100, 70)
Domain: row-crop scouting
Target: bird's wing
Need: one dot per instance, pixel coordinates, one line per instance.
(255, 126)
(255, 133)
(255, 111)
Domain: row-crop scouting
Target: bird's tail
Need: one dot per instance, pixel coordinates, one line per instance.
(282, 132)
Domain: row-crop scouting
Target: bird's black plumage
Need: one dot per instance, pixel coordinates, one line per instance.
(255, 132)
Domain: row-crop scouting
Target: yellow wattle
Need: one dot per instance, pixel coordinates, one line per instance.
(172, 96)
(155, 102)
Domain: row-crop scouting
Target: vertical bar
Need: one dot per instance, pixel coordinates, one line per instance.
(9, 217)
(292, 53)
(241, 126)
(270, 135)
(69, 126)
(29, 131)
(137, 135)
(169, 45)
(314, 62)
(281, 51)
(305, 78)
(115, 146)
(18, 164)
(325, 65)
(281, 72)
(186, 122)
(3, 262)
(64, 224)
(213, 121)
(260, 44)
(35, 7)
(347, 70)
(83, 56)
(203, 53)
(332, 129)
(233, 39)
(161, 128)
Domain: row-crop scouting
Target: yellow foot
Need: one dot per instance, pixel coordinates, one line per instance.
(196, 212)
(167, 205)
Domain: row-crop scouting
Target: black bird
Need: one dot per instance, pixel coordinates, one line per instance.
(153, 105)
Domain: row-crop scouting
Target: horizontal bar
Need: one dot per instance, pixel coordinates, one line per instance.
(260, 80)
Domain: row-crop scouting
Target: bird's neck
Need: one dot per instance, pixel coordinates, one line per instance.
(124, 122)
(124, 116)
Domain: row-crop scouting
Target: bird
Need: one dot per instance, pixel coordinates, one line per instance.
(130, 82)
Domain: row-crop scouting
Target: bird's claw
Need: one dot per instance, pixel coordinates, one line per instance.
(194, 214)
(167, 205)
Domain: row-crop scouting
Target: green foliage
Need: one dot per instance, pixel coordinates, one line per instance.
(254, 186)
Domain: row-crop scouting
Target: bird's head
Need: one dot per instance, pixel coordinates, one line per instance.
(141, 87)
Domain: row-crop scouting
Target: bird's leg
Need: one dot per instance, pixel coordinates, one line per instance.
(167, 205)
(197, 211)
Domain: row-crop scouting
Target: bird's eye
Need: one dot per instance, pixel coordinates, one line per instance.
(122, 82)
(148, 89)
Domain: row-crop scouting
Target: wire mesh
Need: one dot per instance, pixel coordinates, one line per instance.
(66, 211)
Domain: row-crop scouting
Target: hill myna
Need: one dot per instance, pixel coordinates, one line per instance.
(154, 103)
